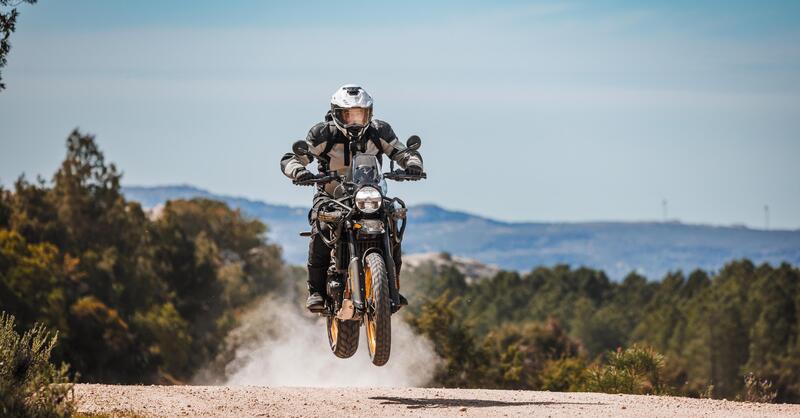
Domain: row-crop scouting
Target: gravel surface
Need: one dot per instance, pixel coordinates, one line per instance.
(256, 401)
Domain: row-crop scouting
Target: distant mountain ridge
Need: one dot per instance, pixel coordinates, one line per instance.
(650, 248)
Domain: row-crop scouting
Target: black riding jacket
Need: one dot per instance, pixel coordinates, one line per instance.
(330, 146)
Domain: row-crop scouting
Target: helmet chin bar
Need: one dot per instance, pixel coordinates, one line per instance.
(355, 132)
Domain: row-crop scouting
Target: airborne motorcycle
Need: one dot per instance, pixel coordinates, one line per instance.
(364, 227)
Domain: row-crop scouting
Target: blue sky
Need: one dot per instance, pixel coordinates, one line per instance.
(547, 111)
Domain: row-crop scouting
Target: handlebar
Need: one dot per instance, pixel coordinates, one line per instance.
(400, 175)
(316, 180)
(396, 175)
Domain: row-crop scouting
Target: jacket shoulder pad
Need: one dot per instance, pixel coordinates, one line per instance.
(319, 134)
(383, 129)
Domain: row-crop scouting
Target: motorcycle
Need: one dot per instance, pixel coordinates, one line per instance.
(364, 229)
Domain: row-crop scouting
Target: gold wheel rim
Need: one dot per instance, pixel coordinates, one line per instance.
(371, 334)
(334, 328)
(368, 282)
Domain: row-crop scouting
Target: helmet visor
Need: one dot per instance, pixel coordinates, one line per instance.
(354, 116)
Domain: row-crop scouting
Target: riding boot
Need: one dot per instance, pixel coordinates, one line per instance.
(316, 288)
(318, 261)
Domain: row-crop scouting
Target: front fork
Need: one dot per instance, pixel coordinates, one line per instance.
(390, 269)
(355, 273)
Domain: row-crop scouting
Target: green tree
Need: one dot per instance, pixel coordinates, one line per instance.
(135, 299)
(774, 334)
(33, 279)
(518, 354)
(713, 331)
(463, 361)
(8, 24)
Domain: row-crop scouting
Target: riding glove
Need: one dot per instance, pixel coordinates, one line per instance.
(303, 175)
(413, 170)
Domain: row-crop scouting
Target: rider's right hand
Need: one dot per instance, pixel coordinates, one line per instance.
(414, 170)
(303, 175)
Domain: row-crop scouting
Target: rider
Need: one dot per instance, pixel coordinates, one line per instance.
(350, 119)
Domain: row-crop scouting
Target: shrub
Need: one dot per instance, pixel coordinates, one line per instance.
(29, 385)
(758, 390)
(635, 370)
(520, 352)
(563, 375)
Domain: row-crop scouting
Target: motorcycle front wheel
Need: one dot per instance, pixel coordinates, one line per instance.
(378, 319)
(342, 337)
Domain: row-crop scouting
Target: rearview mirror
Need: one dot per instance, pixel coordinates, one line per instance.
(414, 142)
(300, 148)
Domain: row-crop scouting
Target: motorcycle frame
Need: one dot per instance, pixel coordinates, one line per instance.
(345, 226)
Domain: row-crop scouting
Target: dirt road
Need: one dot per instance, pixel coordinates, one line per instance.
(251, 401)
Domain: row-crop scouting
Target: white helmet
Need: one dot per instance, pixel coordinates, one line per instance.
(351, 109)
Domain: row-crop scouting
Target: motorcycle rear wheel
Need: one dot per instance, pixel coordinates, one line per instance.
(342, 337)
(378, 322)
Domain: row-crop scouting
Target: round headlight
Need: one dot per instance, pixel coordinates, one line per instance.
(368, 199)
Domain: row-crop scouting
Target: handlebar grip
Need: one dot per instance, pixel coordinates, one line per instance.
(400, 175)
(314, 181)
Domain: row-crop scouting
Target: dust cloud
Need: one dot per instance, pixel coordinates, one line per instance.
(278, 344)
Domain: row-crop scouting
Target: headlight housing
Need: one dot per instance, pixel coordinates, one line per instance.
(368, 199)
